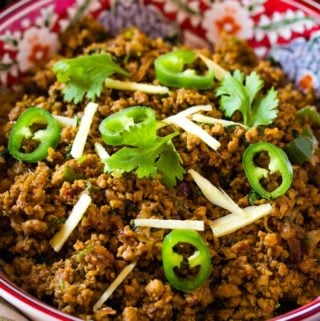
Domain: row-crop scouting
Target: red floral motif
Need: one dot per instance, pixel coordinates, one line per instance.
(307, 81)
(227, 16)
(38, 44)
(39, 53)
(228, 24)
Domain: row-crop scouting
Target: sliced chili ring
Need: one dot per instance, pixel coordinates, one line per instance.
(47, 137)
(114, 127)
(170, 71)
(279, 162)
(172, 260)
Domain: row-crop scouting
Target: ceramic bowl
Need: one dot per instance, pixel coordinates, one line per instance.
(288, 31)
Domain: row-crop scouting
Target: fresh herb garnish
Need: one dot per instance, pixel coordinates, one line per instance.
(302, 148)
(145, 152)
(309, 112)
(240, 92)
(85, 75)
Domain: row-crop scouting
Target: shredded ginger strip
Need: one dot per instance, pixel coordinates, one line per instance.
(135, 86)
(70, 224)
(170, 224)
(83, 131)
(66, 121)
(101, 151)
(113, 286)
(211, 120)
(216, 195)
(192, 128)
(238, 218)
(219, 72)
(232, 222)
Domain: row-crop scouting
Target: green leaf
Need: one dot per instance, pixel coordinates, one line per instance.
(169, 159)
(128, 159)
(310, 113)
(147, 161)
(147, 155)
(242, 93)
(140, 134)
(233, 94)
(239, 76)
(253, 85)
(84, 76)
(302, 148)
(265, 109)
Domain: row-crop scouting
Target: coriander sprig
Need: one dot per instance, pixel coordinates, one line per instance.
(84, 76)
(243, 93)
(143, 151)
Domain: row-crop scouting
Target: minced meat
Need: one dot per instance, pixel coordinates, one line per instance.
(258, 271)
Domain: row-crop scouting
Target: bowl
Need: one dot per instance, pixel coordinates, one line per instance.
(286, 31)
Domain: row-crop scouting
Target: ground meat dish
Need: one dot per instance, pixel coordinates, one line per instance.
(259, 271)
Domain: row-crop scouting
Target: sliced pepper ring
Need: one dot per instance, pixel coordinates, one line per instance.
(171, 259)
(48, 137)
(113, 128)
(169, 71)
(278, 162)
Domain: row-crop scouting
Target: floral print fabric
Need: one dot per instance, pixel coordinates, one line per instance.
(277, 28)
(230, 17)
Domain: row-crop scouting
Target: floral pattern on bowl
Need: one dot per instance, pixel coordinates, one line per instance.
(300, 61)
(32, 35)
(286, 30)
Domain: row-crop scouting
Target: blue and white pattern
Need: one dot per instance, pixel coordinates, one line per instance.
(148, 18)
(300, 59)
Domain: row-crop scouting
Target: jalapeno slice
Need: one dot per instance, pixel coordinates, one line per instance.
(22, 130)
(113, 128)
(172, 260)
(169, 71)
(279, 162)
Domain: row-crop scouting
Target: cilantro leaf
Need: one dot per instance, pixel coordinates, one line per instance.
(240, 92)
(253, 85)
(128, 159)
(169, 158)
(142, 133)
(265, 108)
(147, 154)
(85, 75)
(160, 156)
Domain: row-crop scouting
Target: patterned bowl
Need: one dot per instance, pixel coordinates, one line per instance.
(287, 31)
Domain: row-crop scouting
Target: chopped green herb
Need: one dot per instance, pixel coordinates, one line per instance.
(92, 188)
(81, 159)
(61, 285)
(301, 148)
(145, 152)
(253, 197)
(82, 253)
(240, 92)
(309, 112)
(70, 175)
(84, 76)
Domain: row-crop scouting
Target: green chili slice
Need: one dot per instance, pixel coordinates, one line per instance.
(170, 71)
(44, 137)
(114, 128)
(172, 260)
(279, 162)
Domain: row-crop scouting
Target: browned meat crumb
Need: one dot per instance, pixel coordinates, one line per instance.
(257, 271)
